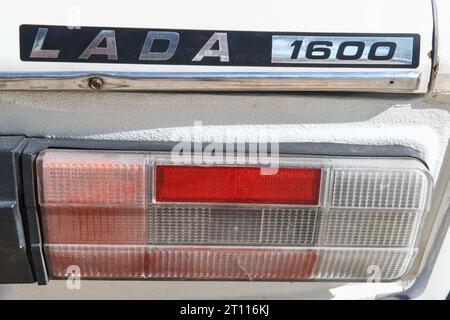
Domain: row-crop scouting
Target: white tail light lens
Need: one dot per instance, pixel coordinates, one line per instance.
(140, 215)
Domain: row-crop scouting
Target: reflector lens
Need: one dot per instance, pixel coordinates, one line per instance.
(237, 185)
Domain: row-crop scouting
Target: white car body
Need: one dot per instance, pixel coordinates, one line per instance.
(419, 119)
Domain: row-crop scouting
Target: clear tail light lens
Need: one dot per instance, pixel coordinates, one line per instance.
(141, 215)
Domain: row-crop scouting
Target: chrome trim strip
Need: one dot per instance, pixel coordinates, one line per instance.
(375, 81)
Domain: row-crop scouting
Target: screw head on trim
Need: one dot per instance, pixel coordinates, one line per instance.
(96, 83)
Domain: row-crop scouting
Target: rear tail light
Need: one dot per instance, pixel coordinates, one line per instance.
(141, 215)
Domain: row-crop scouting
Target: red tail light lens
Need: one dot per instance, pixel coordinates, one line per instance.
(221, 184)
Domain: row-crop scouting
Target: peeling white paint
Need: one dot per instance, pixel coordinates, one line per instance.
(426, 130)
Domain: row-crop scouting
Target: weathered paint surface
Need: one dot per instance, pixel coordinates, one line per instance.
(426, 130)
(442, 84)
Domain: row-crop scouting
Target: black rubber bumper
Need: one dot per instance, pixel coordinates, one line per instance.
(14, 259)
